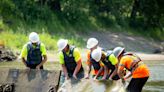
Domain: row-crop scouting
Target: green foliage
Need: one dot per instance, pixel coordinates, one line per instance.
(78, 12)
(55, 19)
(13, 40)
(31, 10)
(7, 9)
(16, 40)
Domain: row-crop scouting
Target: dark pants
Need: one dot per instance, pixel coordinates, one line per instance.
(33, 66)
(136, 84)
(116, 77)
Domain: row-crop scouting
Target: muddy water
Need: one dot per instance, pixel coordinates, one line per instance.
(156, 80)
(154, 84)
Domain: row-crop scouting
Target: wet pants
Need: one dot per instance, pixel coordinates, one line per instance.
(33, 66)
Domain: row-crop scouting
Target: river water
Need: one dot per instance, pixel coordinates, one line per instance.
(155, 82)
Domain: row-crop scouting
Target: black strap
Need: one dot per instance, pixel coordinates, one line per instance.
(135, 62)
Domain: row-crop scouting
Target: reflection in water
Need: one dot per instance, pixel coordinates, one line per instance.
(44, 74)
(92, 86)
(31, 74)
(156, 80)
(154, 84)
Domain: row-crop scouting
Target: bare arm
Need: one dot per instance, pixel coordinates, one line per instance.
(88, 71)
(128, 75)
(100, 70)
(121, 74)
(77, 68)
(24, 61)
(65, 71)
(43, 61)
(105, 73)
(114, 72)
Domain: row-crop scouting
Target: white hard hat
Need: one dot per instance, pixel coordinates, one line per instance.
(62, 43)
(92, 42)
(33, 37)
(96, 54)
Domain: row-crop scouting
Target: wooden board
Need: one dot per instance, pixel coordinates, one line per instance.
(30, 81)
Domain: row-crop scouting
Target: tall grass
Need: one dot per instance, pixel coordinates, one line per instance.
(17, 40)
(16, 34)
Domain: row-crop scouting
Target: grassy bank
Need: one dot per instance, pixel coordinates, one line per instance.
(15, 34)
(17, 40)
(55, 19)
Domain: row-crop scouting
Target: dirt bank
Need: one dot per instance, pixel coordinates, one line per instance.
(109, 40)
(52, 57)
(7, 55)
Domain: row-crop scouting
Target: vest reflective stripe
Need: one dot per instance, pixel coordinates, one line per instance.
(122, 65)
(69, 60)
(135, 63)
(96, 65)
(34, 55)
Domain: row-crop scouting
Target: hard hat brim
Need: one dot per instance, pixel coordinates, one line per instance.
(100, 54)
(66, 42)
(34, 41)
(121, 52)
(89, 47)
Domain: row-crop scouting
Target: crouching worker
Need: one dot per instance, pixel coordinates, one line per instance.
(70, 60)
(109, 61)
(138, 70)
(33, 53)
(98, 68)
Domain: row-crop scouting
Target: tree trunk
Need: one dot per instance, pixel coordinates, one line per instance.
(55, 5)
(134, 12)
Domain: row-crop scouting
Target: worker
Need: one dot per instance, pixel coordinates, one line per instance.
(98, 68)
(70, 60)
(138, 70)
(110, 63)
(33, 54)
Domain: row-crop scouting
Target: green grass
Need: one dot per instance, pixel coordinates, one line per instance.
(17, 40)
(16, 34)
